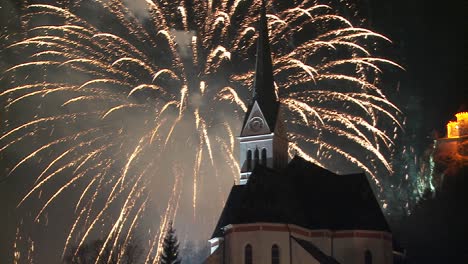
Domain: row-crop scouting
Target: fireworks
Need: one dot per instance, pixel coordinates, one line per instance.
(135, 104)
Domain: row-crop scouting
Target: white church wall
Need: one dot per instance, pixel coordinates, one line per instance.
(320, 238)
(350, 247)
(261, 237)
(300, 255)
(347, 247)
(261, 242)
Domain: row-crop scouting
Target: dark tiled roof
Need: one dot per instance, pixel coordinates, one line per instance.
(306, 195)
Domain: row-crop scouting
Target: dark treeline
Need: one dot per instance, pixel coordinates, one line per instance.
(437, 229)
(132, 252)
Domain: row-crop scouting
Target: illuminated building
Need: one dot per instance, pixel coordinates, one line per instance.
(452, 151)
(294, 212)
(459, 128)
(450, 154)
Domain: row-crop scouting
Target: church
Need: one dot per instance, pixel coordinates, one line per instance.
(293, 212)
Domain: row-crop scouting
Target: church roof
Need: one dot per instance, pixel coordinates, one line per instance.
(306, 195)
(314, 251)
(264, 88)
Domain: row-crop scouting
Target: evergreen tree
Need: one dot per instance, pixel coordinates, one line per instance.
(170, 254)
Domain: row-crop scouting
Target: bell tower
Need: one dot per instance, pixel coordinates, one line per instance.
(263, 137)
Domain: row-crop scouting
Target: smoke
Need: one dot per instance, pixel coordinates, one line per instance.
(184, 42)
(138, 8)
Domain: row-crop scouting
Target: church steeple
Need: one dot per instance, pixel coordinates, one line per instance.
(264, 94)
(264, 88)
(263, 138)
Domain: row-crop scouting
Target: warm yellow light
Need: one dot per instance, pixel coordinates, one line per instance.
(462, 116)
(458, 128)
(452, 129)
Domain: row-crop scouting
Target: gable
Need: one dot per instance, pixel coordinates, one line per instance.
(256, 123)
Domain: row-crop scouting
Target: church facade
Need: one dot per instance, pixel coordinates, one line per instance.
(284, 212)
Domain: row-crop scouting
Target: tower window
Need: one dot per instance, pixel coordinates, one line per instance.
(249, 160)
(275, 254)
(256, 156)
(248, 254)
(264, 156)
(367, 257)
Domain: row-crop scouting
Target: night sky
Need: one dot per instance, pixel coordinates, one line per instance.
(430, 42)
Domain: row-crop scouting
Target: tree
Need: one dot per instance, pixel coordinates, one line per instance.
(436, 231)
(170, 254)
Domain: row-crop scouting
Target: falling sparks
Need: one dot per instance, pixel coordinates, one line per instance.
(170, 84)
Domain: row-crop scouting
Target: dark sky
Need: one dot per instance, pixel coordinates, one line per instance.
(430, 41)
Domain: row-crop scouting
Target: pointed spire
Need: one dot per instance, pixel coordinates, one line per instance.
(264, 89)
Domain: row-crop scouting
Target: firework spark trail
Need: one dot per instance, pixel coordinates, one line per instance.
(135, 153)
(165, 219)
(46, 179)
(51, 144)
(196, 173)
(294, 148)
(335, 149)
(75, 224)
(133, 94)
(83, 211)
(61, 189)
(97, 218)
(133, 226)
(68, 151)
(303, 108)
(92, 201)
(119, 223)
(231, 160)
(234, 97)
(232, 140)
(44, 86)
(43, 120)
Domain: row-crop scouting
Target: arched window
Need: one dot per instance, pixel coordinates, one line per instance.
(367, 257)
(249, 160)
(256, 156)
(248, 254)
(275, 254)
(264, 156)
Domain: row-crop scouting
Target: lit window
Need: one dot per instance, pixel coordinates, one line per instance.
(275, 254)
(248, 254)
